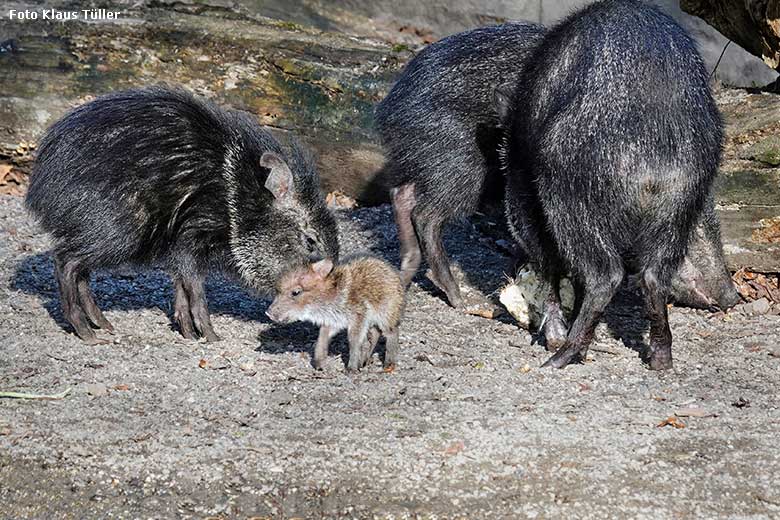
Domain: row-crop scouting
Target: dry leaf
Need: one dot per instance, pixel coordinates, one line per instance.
(754, 286)
(768, 231)
(389, 369)
(672, 421)
(525, 369)
(203, 363)
(337, 199)
(121, 388)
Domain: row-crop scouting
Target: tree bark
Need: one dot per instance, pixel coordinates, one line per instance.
(752, 24)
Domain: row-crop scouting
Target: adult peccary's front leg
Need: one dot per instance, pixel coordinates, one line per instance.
(190, 308)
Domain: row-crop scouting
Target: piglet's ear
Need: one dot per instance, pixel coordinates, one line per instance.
(323, 267)
(280, 179)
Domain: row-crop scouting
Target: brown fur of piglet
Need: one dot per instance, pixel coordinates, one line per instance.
(363, 294)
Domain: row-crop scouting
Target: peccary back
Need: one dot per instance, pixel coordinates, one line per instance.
(611, 158)
(156, 176)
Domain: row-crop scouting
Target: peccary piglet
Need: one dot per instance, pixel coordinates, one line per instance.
(363, 295)
(159, 177)
(440, 131)
(613, 145)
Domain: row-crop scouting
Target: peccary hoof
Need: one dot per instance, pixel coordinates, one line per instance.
(660, 362)
(564, 356)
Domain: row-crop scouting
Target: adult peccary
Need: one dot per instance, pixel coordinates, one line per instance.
(613, 144)
(439, 128)
(158, 177)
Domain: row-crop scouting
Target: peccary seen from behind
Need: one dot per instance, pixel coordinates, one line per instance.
(440, 131)
(439, 128)
(614, 141)
(159, 177)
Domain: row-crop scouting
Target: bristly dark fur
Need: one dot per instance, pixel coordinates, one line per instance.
(439, 129)
(614, 144)
(157, 176)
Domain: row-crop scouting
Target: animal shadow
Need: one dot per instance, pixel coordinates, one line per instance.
(129, 290)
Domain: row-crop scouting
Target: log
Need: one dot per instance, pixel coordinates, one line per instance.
(752, 24)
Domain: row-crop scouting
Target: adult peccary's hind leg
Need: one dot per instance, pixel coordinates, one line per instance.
(68, 273)
(403, 204)
(553, 324)
(601, 282)
(90, 306)
(181, 309)
(429, 230)
(654, 283)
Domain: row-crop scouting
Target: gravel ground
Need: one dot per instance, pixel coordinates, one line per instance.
(468, 426)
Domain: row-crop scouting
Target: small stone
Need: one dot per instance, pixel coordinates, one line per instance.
(97, 389)
(280, 398)
(760, 307)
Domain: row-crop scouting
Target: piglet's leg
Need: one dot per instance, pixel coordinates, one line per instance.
(321, 347)
(369, 345)
(391, 347)
(356, 334)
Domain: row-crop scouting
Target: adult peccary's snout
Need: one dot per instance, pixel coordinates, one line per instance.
(158, 177)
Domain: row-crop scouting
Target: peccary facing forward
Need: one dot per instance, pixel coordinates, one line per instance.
(156, 176)
(439, 128)
(363, 295)
(614, 141)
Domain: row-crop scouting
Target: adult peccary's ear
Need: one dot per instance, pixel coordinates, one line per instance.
(323, 267)
(502, 100)
(280, 178)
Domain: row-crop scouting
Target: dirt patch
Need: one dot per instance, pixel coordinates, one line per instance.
(466, 427)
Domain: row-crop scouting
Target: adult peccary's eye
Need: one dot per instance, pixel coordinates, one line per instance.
(296, 292)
